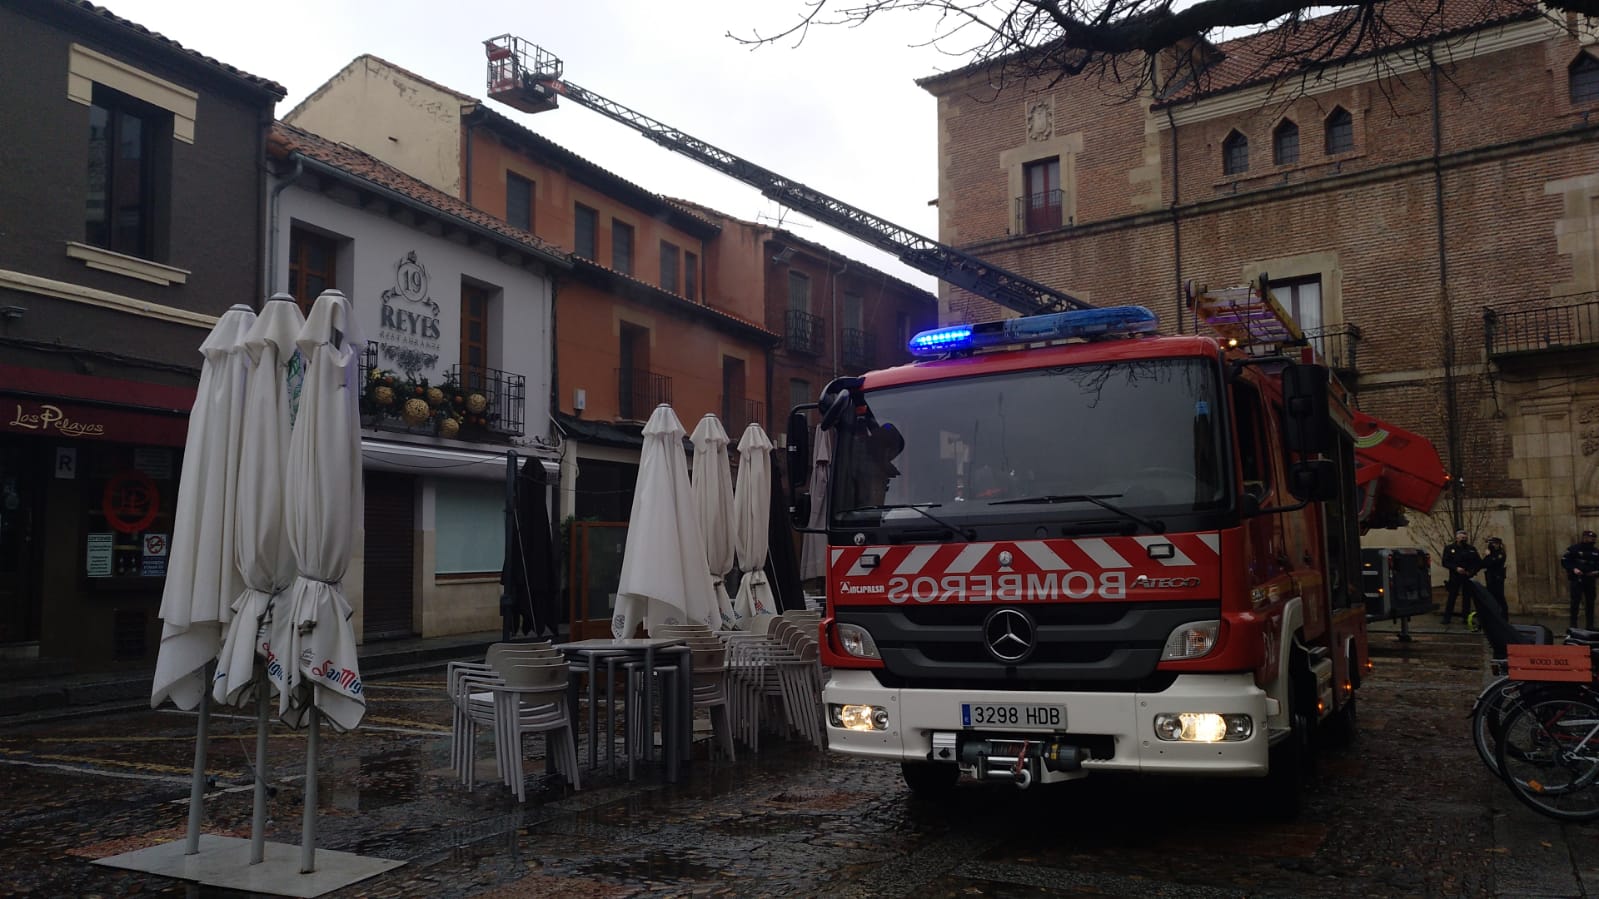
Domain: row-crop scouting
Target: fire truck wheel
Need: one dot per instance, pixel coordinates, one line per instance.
(930, 780)
(1292, 761)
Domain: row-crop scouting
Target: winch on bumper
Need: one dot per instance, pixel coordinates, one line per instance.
(1208, 725)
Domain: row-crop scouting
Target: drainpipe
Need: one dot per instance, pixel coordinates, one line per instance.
(1451, 397)
(272, 238)
(1176, 230)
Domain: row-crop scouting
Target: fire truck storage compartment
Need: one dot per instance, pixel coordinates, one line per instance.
(1397, 582)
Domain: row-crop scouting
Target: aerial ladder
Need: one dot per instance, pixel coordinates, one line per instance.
(527, 77)
(1395, 469)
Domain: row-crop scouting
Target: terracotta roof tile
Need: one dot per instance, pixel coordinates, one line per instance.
(286, 139)
(101, 12)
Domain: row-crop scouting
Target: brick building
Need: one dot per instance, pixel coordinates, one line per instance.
(1428, 214)
(131, 217)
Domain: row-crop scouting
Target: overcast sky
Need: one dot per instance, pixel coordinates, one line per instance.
(840, 112)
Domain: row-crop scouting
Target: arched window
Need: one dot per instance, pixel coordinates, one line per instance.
(1285, 143)
(1340, 131)
(1584, 73)
(1235, 154)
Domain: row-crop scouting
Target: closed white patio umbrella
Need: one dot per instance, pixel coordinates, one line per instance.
(322, 508)
(752, 506)
(712, 484)
(261, 544)
(664, 576)
(202, 579)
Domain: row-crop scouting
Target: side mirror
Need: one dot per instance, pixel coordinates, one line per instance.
(1248, 504)
(1314, 480)
(799, 461)
(1307, 411)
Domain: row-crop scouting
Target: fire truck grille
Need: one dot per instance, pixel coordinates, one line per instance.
(1075, 646)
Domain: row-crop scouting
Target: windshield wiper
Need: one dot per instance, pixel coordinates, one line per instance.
(920, 508)
(1099, 499)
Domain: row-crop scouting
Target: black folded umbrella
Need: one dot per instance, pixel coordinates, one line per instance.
(529, 577)
(782, 563)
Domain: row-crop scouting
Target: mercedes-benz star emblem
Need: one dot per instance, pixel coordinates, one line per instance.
(1008, 634)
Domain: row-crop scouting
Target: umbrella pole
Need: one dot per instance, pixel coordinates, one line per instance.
(197, 788)
(263, 708)
(308, 822)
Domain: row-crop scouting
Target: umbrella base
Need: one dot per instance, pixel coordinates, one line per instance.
(225, 862)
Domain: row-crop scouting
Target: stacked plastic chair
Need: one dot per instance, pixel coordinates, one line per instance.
(778, 668)
(709, 678)
(518, 689)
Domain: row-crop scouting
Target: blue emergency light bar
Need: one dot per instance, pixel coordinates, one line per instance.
(1085, 324)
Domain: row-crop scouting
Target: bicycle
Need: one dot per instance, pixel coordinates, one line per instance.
(1548, 752)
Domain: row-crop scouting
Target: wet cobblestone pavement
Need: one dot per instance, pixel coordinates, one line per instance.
(1407, 811)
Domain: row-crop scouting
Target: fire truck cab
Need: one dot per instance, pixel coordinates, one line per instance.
(1062, 544)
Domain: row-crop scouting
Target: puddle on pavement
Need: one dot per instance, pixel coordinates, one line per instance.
(653, 866)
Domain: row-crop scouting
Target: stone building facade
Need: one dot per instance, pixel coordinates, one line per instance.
(1428, 214)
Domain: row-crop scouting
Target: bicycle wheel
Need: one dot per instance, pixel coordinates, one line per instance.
(1487, 719)
(1549, 754)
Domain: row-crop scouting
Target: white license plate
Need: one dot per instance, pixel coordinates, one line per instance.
(1025, 716)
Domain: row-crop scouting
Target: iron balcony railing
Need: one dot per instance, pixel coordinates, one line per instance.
(504, 397)
(804, 333)
(857, 350)
(468, 403)
(1040, 212)
(640, 391)
(1336, 344)
(1571, 323)
(739, 413)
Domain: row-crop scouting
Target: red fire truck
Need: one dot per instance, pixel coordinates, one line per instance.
(1062, 544)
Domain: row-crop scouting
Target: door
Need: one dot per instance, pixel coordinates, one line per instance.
(390, 567)
(20, 521)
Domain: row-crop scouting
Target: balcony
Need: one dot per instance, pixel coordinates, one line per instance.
(639, 392)
(1040, 212)
(1571, 324)
(1336, 345)
(857, 351)
(739, 413)
(483, 404)
(804, 333)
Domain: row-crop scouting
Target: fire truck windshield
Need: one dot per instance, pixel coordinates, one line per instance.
(1146, 434)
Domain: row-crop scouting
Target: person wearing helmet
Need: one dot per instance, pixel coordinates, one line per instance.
(1581, 563)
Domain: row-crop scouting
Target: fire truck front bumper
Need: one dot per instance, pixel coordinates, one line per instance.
(1208, 725)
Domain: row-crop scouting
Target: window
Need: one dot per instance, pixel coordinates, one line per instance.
(313, 266)
(640, 390)
(585, 232)
(1340, 131)
(902, 330)
(734, 414)
(1285, 143)
(518, 202)
(1235, 154)
(622, 247)
(799, 291)
(691, 276)
(1301, 298)
(799, 392)
(1254, 453)
(467, 527)
(1584, 74)
(127, 184)
(474, 337)
(669, 253)
(1041, 205)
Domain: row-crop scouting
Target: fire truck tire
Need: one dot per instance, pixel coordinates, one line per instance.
(930, 780)
(1292, 761)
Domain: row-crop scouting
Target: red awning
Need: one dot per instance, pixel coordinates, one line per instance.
(70, 406)
(1397, 469)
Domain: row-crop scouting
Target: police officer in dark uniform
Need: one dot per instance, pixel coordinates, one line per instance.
(1460, 559)
(1581, 563)
(1493, 573)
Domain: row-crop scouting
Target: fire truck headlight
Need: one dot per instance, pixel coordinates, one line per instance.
(858, 717)
(1191, 641)
(857, 641)
(1203, 727)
